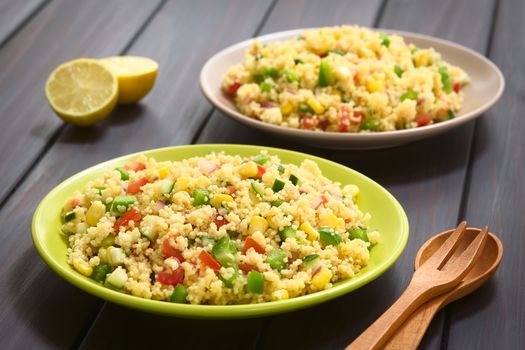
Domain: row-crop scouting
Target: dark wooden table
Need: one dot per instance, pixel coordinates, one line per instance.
(474, 172)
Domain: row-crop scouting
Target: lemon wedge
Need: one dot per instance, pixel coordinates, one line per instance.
(82, 92)
(136, 76)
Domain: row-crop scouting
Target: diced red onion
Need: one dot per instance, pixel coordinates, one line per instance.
(268, 104)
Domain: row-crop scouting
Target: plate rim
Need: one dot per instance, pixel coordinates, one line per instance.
(213, 311)
(395, 135)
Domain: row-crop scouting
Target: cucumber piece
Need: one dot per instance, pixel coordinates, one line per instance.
(122, 202)
(398, 71)
(277, 185)
(327, 236)
(201, 196)
(116, 256)
(446, 79)
(258, 187)
(149, 233)
(385, 40)
(165, 186)
(311, 261)
(228, 282)
(409, 95)
(370, 123)
(325, 74)
(224, 251)
(124, 175)
(294, 179)
(255, 283)
(280, 168)
(277, 202)
(107, 241)
(358, 233)
(260, 159)
(179, 294)
(116, 279)
(276, 259)
(70, 216)
(100, 189)
(100, 272)
(288, 232)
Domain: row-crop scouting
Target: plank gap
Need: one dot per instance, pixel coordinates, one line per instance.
(39, 156)
(23, 22)
(379, 14)
(201, 128)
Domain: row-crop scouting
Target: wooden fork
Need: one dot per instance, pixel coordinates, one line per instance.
(429, 281)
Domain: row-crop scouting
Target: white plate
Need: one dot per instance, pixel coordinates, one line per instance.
(485, 88)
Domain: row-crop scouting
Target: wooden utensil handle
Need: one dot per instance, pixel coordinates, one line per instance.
(409, 334)
(376, 336)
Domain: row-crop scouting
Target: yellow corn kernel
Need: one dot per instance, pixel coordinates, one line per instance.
(421, 59)
(322, 278)
(365, 52)
(257, 223)
(265, 52)
(330, 220)
(248, 169)
(202, 182)
(164, 172)
(286, 108)
(95, 212)
(218, 199)
(374, 85)
(82, 267)
(315, 105)
(271, 222)
(182, 184)
(310, 231)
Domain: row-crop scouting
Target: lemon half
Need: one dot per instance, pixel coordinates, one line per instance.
(82, 92)
(136, 76)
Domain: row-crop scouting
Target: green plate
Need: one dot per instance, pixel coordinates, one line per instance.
(387, 216)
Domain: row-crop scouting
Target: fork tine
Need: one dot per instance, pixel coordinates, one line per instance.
(440, 257)
(468, 258)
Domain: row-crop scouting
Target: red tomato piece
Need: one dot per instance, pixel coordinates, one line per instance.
(246, 268)
(123, 221)
(133, 165)
(171, 277)
(344, 118)
(324, 199)
(231, 190)
(309, 122)
(323, 124)
(423, 120)
(220, 222)
(456, 87)
(251, 243)
(135, 187)
(209, 261)
(169, 251)
(232, 90)
(260, 171)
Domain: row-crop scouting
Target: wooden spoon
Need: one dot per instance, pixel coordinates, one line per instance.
(410, 333)
(440, 273)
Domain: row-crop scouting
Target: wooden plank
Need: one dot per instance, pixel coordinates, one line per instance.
(427, 177)
(63, 30)
(494, 316)
(13, 13)
(171, 114)
(40, 310)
